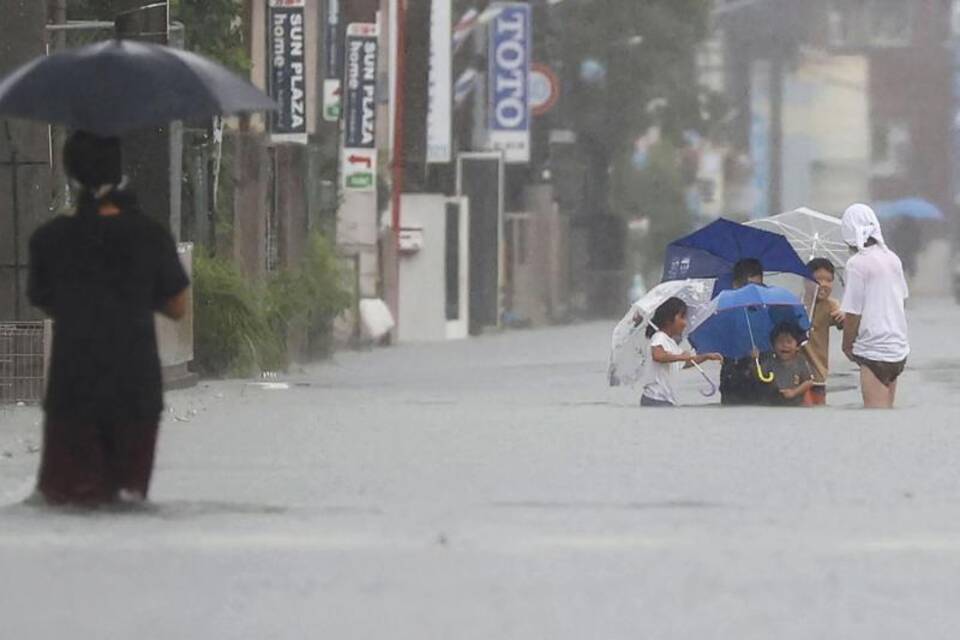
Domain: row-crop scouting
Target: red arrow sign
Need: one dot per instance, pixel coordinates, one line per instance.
(361, 160)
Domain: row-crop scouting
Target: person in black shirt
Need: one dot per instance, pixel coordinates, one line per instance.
(100, 275)
(739, 384)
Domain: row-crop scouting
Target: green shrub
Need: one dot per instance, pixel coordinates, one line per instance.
(241, 328)
(307, 298)
(231, 335)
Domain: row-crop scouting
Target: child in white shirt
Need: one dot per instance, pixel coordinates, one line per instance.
(666, 357)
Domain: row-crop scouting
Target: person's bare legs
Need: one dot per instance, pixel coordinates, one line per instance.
(876, 395)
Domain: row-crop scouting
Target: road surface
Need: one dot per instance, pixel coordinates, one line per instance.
(496, 488)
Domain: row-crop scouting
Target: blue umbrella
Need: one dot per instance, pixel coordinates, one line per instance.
(916, 208)
(741, 320)
(712, 251)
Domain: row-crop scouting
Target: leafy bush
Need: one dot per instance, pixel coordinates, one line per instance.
(241, 328)
(231, 336)
(307, 298)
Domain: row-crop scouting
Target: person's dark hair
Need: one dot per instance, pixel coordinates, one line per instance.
(665, 314)
(92, 160)
(788, 329)
(818, 264)
(745, 269)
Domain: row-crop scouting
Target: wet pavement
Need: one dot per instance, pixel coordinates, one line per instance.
(496, 488)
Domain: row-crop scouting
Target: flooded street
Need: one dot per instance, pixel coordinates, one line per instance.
(497, 488)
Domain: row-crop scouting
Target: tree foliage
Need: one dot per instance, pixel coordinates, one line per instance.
(661, 65)
(657, 193)
(241, 326)
(214, 28)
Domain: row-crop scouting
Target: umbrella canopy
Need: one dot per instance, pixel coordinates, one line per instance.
(629, 345)
(117, 86)
(739, 320)
(712, 251)
(811, 234)
(916, 208)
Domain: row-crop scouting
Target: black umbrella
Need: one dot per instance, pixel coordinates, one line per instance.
(117, 86)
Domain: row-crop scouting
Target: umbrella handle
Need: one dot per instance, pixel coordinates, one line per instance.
(764, 377)
(713, 388)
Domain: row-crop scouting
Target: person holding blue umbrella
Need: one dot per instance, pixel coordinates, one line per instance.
(738, 382)
(740, 326)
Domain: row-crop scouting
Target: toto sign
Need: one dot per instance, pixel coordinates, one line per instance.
(509, 86)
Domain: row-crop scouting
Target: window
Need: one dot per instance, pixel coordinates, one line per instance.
(858, 24)
(891, 148)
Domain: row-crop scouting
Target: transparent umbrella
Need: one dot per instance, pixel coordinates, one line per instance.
(629, 346)
(812, 234)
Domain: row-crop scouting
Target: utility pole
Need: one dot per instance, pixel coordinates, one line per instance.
(60, 191)
(415, 84)
(775, 187)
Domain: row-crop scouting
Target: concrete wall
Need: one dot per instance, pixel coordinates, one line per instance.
(175, 338)
(251, 182)
(826, 146)
(423, 285)
(538, 289)
(358, 234)
(291, 203)
(22, 33)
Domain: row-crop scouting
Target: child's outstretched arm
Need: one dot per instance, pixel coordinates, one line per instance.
(797, 392)
(663, 357)
(837, 316)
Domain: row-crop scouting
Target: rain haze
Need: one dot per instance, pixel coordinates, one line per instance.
(464, 319)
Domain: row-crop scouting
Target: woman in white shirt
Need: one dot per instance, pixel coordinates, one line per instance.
(875, 329)
(666, 357)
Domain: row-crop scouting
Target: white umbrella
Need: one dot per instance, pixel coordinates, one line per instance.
(811, 233)
(629, 346)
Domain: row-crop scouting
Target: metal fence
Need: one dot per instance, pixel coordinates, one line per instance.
(23, 355)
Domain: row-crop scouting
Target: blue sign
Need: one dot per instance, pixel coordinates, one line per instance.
(511, 40)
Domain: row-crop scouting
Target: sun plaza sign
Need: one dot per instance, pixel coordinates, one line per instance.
(288, 76)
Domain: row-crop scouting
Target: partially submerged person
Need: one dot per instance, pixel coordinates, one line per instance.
(792, 376)
(666, 358)
(825, 315)
(739, 384)
(875, 328)
(100, 275)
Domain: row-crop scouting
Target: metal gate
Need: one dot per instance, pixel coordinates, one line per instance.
(23, 361)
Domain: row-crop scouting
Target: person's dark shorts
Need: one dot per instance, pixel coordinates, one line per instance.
(886, 372)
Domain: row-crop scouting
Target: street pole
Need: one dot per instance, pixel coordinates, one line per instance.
(60, 187)
(775, 187)
(955, 121)
(399, 149)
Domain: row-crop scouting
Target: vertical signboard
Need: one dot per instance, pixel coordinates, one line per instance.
(359, 159)
(333, 62)
(288, 70)
(439, 114)
(509, 81)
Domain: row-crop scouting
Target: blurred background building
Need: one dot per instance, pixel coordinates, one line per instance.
(529, 158)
